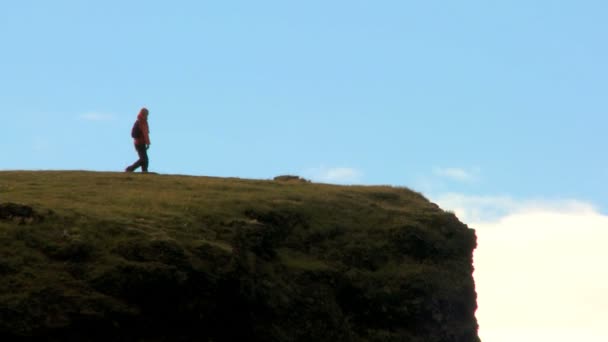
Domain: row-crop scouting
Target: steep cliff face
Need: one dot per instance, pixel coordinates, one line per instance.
(169, 258)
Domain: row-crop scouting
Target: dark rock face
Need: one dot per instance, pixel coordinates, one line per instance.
(278, 279)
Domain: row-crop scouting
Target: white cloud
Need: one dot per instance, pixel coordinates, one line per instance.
(457, 174)
(335, 175)
(540, 268)
(96, 116)
(439, 179)
(487, 208)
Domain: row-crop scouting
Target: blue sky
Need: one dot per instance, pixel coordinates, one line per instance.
(491, 107)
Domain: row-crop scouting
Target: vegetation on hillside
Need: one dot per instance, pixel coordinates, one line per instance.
(132, 257)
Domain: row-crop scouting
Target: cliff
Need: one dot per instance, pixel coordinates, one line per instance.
(128, 257)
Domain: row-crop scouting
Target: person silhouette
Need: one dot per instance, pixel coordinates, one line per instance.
(141, 139)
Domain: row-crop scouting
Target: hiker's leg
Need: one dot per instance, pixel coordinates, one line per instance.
(138, 163)
(135, 165)
(143, 157)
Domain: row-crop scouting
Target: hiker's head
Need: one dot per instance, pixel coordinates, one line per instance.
(143, 113)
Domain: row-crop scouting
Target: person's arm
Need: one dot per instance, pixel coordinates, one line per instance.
(147, 135)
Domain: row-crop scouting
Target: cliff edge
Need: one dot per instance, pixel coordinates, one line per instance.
(88, 256)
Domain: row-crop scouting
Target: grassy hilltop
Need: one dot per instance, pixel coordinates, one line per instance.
(132, 257)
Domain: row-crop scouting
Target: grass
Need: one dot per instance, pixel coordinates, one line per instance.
(119, 250)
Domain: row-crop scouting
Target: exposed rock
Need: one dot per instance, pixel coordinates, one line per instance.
(291, 178)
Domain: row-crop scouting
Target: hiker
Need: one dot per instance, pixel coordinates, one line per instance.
(141, 138)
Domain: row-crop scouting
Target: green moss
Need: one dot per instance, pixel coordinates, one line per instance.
(302, 262)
